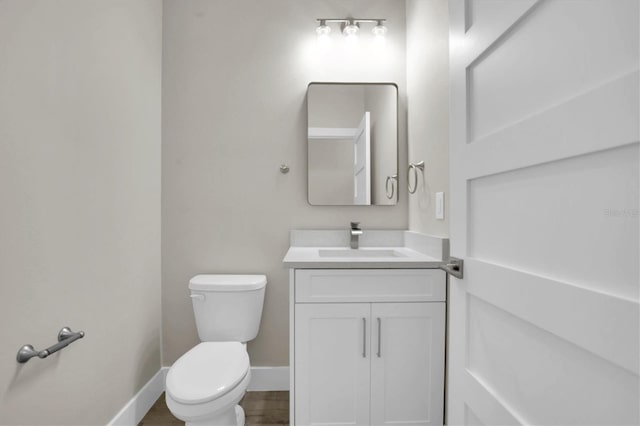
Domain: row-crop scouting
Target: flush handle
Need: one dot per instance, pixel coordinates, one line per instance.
(198, 296)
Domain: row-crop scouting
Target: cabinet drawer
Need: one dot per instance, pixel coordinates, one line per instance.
(369, 285)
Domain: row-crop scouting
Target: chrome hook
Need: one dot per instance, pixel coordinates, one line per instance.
(414, 167)
(393, 179)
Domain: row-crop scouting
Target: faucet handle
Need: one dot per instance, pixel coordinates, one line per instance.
(355, 225)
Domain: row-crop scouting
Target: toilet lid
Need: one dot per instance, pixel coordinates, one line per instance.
(207, 372)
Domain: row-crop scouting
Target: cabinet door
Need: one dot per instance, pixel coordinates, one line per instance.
(332, 364)
(407, 374)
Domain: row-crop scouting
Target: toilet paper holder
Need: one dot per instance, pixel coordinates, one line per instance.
(65, 338)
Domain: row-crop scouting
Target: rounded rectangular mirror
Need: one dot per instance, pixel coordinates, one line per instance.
(352, 143)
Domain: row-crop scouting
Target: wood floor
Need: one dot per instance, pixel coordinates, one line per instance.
(260, 409)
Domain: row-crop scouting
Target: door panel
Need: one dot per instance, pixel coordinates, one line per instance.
(501, 14)
(542, 138)
(554, 45)
(564, 220)
(596, 322)
(332, 376)
(531, 369)
(545, 177)
(407, 377)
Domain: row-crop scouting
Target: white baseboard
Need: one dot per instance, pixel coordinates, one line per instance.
(133, 412)
(269, 379)
(262, 379)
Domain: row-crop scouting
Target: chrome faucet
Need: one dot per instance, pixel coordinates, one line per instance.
(355, 234)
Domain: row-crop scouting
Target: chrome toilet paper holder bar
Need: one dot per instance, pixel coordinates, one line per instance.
(65, 338)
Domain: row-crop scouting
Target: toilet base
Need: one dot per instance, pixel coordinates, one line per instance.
(240, 415)
(230, 418)
(223, 411)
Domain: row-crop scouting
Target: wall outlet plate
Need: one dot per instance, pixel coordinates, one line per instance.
(440, 205)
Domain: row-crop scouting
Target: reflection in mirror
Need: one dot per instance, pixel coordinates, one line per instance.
(352, 144)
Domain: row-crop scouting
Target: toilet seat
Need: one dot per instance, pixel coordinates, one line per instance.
(207, 372)
(207, 412)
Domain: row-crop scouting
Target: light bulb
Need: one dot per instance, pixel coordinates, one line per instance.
(323, 29)
(351, 30)
(379, 30)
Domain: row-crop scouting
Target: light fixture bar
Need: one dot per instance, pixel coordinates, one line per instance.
(349, 20)
(351, 26)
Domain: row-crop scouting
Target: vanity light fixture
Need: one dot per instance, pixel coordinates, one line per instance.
(350, 26)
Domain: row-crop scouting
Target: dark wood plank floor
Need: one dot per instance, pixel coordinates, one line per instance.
(260, 409)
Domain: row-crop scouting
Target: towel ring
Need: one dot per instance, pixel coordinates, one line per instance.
(391, 179)
(414, 167)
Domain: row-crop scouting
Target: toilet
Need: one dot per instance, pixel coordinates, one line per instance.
(205, 384)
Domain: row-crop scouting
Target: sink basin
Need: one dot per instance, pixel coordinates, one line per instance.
(360, 253)
(379, 249)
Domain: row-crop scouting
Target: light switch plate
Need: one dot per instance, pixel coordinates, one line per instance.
(439, 205)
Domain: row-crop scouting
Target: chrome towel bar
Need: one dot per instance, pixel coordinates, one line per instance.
(65, 338)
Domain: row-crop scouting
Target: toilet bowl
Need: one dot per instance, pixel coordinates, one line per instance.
(204, 386)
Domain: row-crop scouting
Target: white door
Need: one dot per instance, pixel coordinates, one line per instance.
(332, 363)
(544, 327)
(362, 162)
(407, 373)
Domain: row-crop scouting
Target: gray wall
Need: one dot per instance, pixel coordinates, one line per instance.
(235, 75)
(80, 192)
(428, 110)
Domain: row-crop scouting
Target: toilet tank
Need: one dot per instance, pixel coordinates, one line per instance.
(227, 307)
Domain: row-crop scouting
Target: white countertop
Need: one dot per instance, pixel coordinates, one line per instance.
(324, 250)
(310, 258)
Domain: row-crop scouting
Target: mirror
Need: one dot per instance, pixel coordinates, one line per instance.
(352, 144)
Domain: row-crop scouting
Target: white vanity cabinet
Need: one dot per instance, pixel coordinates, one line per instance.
(368, 346)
